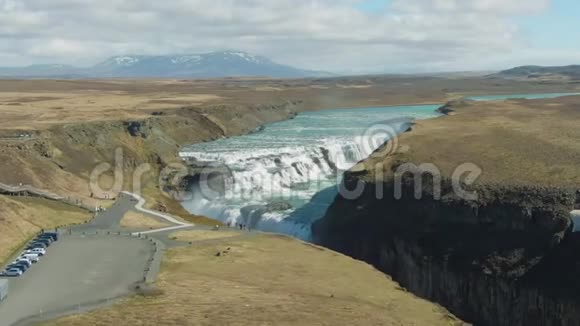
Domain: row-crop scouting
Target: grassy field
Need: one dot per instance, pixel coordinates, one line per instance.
(39, 104)
(133, 219)
(516, 142)
(159, 201)
(76, 125)
(266, 280)
(22, 217)
(204, 235)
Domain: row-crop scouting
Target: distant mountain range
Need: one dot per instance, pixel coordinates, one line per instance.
(539, 72)
(207, 65)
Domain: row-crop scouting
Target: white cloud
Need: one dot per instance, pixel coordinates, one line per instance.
(59, 48)
(494, 7)
(316, 34)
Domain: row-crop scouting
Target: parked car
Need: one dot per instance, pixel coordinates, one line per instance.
(45, 236)
(50, 235)
(46, 242)
(55, 236)
(13, 272)
(21, 267)
(38, 251)
(33, 258)
(25, 261)
(33, 245)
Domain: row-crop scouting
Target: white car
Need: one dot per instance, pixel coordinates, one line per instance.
(33, 258)
(13, 272)
(38, 251)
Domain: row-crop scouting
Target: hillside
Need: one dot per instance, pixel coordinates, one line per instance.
(538, 72)
(206, 65)
(22, 217)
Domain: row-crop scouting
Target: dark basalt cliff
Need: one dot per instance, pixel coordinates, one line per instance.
(507, 257)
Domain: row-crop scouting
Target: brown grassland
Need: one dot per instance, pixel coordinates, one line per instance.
(38, 104)
(516, 142)
(266, 280)
(133, 219)
(22, 217)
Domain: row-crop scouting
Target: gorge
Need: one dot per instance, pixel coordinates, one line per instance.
(490, 261)
(293, 164)
(507, 257)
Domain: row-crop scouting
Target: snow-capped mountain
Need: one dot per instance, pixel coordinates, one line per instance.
(214, 64)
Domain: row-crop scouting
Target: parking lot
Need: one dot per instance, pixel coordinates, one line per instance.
(77, 269)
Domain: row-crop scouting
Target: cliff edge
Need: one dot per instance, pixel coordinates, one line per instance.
(472, 210)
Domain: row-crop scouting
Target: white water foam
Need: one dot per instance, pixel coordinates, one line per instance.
(291, 162)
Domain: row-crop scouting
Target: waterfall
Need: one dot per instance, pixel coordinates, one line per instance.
(275, 177)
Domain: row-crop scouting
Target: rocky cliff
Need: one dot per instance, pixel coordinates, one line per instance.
(62, 157)
(506, 259)
(507, 256)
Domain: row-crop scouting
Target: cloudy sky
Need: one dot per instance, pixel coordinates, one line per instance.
(346, 36)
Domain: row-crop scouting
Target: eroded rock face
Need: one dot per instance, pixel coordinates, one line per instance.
(448, 108)
(278, 205)
(138, 129)
(507, 258)
(252, 214)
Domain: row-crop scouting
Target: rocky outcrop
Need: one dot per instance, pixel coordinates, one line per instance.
(508, 257)
(448, 108)
(137, 129)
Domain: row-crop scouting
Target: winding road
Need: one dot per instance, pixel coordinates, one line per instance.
(168, 218)
(110, 219)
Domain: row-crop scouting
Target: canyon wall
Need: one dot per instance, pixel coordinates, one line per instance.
(507, 258)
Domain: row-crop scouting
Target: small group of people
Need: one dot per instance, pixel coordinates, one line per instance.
(238, 225)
